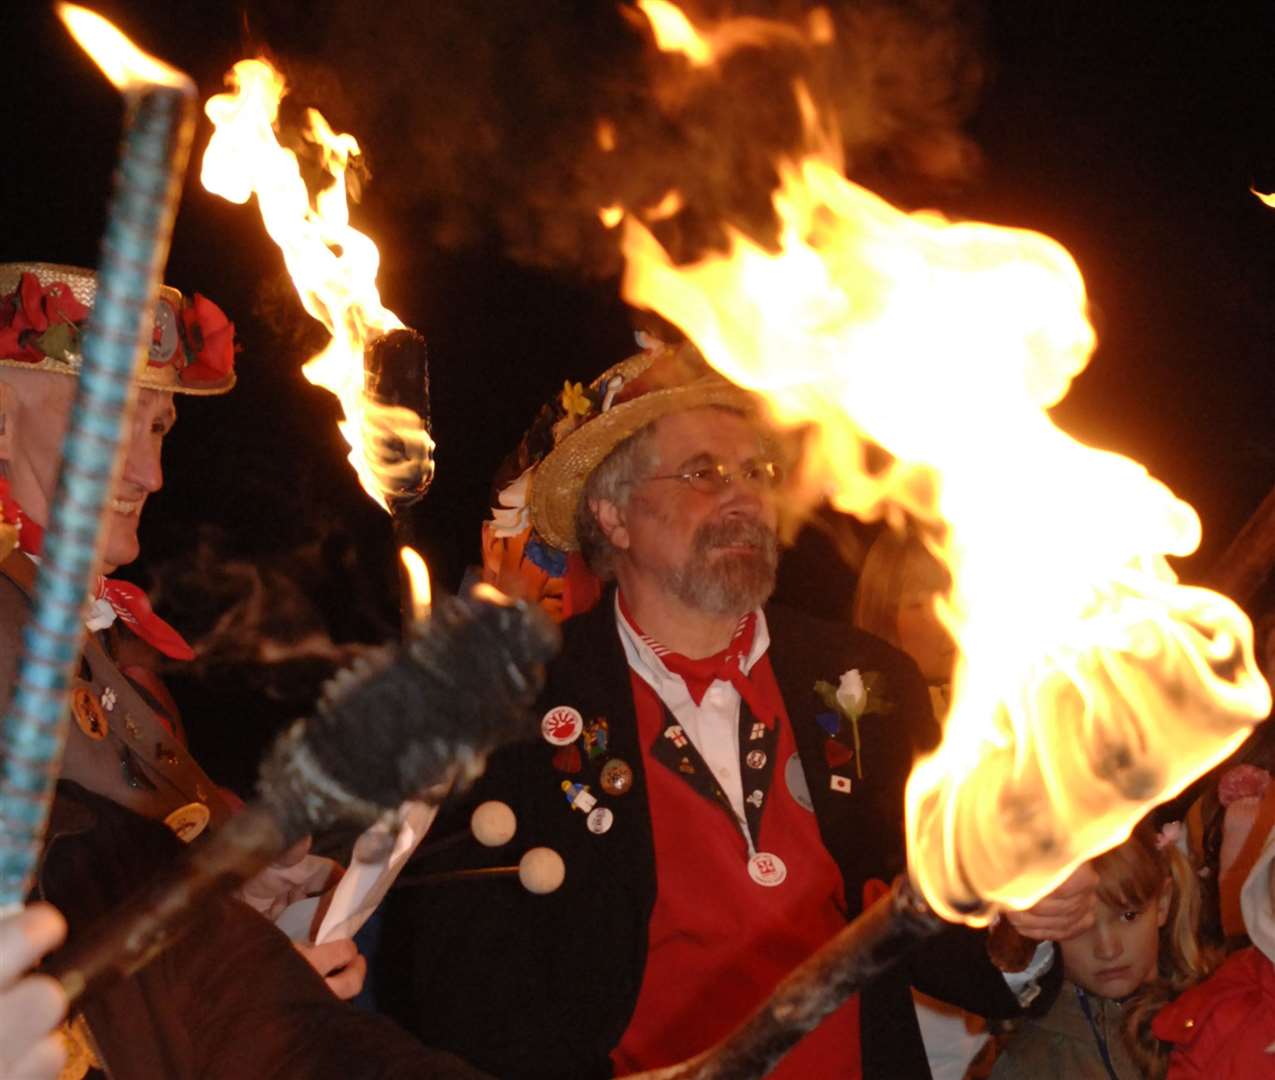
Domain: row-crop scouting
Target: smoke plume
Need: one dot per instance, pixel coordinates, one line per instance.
(519, 121)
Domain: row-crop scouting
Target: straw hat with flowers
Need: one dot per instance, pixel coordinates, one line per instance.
(574, 435)
(44, 306)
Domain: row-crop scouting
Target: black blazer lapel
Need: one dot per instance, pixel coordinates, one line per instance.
(862, 829)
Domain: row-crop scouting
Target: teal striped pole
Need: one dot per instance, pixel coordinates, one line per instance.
(155, 148)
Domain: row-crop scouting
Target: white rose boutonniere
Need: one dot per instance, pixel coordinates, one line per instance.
(852, 695)
(856, 694)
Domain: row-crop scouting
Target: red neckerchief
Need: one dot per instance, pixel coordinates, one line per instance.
(128, 601)
(727, 665)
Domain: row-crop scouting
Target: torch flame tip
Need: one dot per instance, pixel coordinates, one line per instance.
(418, 578)
(127, 66)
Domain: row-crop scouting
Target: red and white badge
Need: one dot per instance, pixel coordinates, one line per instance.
(164, 338)
(767, 869)
(561, 725)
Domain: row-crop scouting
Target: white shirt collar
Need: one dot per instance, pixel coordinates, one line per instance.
(100, 614)
(647, 663)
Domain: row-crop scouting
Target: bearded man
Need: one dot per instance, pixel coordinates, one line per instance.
(724, 779)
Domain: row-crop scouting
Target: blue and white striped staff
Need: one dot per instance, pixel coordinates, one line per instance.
(154, 151)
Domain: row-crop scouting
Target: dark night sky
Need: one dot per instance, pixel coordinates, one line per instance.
(1128, 131)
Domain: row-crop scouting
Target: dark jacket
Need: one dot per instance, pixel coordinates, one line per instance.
(1061, 1045)
(544, 986)
(232, 999)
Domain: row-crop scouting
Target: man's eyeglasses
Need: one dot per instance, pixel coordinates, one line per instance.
(715, 479)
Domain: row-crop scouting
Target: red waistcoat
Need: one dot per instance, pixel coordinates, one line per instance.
(719, 943)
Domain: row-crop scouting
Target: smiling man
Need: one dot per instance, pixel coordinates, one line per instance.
(721, 793)
(125, 743)
(231, 999)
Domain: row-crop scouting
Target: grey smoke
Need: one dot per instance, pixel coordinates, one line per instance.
(479, 120)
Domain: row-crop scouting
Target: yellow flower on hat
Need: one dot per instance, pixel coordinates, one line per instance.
(575, 402)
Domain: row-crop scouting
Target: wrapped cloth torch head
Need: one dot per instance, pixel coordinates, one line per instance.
(422, 716)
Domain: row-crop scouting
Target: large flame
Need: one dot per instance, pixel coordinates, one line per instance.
(332, 264)
(1091, 684)
(127, 66)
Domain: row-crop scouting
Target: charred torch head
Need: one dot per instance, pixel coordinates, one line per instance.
(396, 421)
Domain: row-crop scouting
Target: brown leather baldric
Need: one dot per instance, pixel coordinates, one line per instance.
(116, 744)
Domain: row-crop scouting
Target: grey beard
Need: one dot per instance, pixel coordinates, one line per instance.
(728, 584)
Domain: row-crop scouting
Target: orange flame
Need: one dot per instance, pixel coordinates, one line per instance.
(1269, 200)
(418, 579)
(127, 66)
(332, 264)
(670, 204)
(1090, 684)
(674, 32)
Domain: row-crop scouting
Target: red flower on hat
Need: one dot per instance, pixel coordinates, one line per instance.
(29, 311)
(60, 304)
(210, 342)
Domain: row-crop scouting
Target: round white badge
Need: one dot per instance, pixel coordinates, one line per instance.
(767, 869)
(599, 820)
(562, 725)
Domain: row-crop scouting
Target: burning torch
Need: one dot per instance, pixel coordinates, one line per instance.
(396, 434)
(376, 367)
(403, 724)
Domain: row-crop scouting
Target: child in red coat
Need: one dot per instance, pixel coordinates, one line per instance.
(1224, 1028)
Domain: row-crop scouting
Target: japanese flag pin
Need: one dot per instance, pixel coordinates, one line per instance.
(562, 725)
(767, 869)
(840, 783)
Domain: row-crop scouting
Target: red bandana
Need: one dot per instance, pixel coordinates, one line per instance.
(727, 665)
(127, 600)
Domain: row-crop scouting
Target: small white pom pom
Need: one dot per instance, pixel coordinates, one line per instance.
(541, 870)
(493, 824)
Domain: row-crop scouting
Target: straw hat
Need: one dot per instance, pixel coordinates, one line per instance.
(43, 308)
(587, 424)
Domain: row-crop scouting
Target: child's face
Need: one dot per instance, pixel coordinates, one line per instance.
(1119, 952)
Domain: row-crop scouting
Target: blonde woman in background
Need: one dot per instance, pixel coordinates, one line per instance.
(895, 600)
